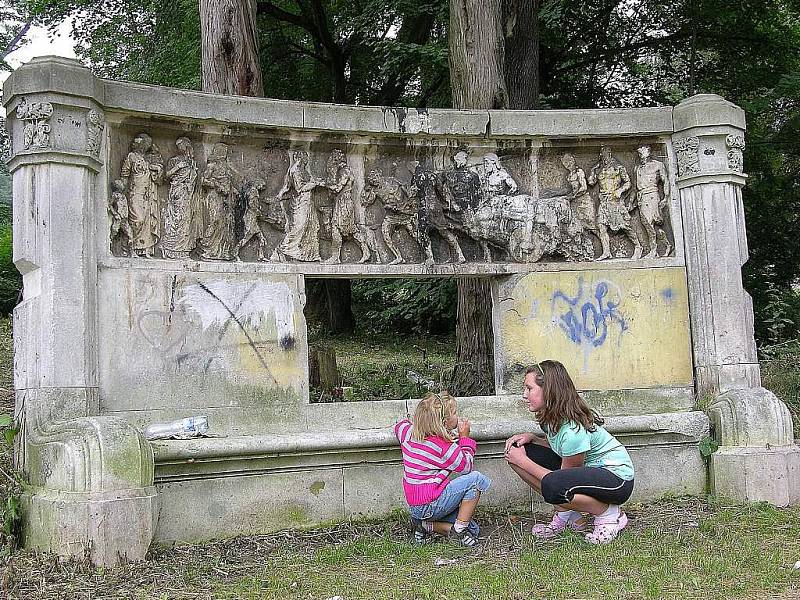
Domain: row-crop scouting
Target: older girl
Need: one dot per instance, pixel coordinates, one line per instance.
(577, 466)
(431, 453)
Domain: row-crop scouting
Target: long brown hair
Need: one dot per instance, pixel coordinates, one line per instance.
(561, 401)
(430, 416)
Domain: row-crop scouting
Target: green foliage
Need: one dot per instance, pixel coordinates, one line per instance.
(708, 446)
(781, 374)
(405, 305)
(10, 489)
(10, 278)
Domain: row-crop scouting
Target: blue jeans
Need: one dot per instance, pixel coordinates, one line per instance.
(445, 507)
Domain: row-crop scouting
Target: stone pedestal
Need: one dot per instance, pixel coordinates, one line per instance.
(757, 459)
(90, 476)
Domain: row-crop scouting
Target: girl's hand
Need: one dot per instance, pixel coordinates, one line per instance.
(515, 455)
(519, 439)
(463, 428)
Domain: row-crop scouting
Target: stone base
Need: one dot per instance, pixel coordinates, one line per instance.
(108, 528)
(750, 474)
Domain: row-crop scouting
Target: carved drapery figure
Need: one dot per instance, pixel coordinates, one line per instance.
(143, 168)
(252, 214)
(217, 182)
(461, 190)
(181, 214)
(371, 227)
(582, 203)
(612, 214)
(400, 211)
(430, 214)
(118, 209)
(650, 174)
(496, 180)
(301, 241)
(343, 220)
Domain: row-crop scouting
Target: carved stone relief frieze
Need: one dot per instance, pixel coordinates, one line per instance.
(735, 147)
(94, 132)
(688, 158)
(36, 131)
(393, 205)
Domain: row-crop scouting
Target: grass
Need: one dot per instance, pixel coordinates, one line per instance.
(678, 549)
(376, 366)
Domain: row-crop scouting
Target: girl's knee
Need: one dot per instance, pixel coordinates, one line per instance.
(552, 490)
(480, 481)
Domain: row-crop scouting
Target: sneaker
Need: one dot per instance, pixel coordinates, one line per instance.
(463, 538)
(420, 535)
(607, 531)
(546, 531)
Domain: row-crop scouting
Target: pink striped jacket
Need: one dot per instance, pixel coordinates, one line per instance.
(427, 464)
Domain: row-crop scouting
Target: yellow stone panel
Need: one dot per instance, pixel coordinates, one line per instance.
(611, 329)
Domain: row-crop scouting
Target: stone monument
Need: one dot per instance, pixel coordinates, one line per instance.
(164, 238)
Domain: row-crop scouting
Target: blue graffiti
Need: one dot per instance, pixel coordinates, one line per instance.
(588, 318)
(667, 294)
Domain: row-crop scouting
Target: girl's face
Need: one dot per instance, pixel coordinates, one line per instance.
(532, 393)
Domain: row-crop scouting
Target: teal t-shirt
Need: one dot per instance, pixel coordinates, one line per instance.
(600, 447)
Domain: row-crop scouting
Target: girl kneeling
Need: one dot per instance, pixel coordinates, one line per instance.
(578, 466)
(430, 454)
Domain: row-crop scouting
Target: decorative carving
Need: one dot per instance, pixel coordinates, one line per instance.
(36, 132)
(181, 228)
(688, 159)
(343, 220)
(143, 169)
(431, 216)
(118, 209)
(217, 183)
(735, 146)
(461, 191)
(400, 209)
(612, 213)
(252, 215)
(301, 241)
(650, 174)
(94, 132)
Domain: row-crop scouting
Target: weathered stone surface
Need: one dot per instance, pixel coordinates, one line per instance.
(751, 417)
(749, 474)
(609, 328)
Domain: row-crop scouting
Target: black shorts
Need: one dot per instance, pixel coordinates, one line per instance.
(561, 485)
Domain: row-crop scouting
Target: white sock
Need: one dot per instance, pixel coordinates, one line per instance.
(568, 516)
(427, 526)
(460, 526)
(611, 513)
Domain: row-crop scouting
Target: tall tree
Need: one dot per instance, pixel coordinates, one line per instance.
(231, 63)
(477, 77)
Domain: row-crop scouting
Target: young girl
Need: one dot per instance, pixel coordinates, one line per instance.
(578, 466)
(431, 452)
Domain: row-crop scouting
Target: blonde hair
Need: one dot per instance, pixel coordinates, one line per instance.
(432, 412)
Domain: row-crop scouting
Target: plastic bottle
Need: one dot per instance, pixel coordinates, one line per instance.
(181, 429)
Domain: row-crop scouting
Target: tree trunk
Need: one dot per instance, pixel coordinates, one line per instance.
(477, 65)
(477, 54)
(340, 314)
(231, 63)
(521, 31)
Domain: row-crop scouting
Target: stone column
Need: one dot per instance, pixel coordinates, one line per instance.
(91, 477)
(757, 459)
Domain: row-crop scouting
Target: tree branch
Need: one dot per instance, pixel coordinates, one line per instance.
(12, 45)
(267, 8)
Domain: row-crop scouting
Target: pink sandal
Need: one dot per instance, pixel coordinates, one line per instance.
(546, 531)
(606, 531)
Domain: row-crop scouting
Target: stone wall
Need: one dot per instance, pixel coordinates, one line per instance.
(165, 236)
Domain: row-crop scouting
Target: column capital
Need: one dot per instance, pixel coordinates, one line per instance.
(708, 139)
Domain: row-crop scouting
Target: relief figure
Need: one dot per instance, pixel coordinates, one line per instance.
(431, 214)
(118, 209)
(252, 215)
(143, 169)
(343, 220)
(301, 241)
(650, 175)
(400, 211)
(181, 213)
(612, 214)
(217, 240)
